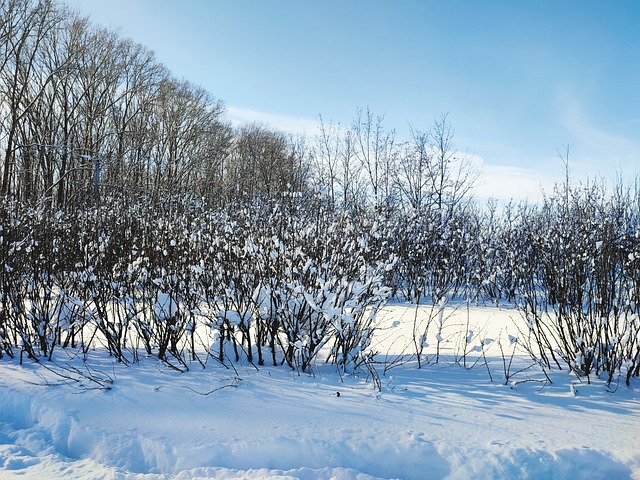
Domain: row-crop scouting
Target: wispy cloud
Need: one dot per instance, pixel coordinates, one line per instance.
(598, 150)
(286, 123)
(509, 182)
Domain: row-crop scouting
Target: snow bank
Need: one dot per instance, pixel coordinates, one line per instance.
(440, 422)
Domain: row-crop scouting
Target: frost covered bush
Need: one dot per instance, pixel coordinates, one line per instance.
(290, 279)
(582, 302)
(332, 286)
(442, 256)
(37, 311)
(292, 276)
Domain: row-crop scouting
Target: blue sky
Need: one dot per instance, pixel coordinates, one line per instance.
(520, 80)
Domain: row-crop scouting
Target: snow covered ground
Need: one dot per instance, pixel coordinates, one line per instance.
(440, 421)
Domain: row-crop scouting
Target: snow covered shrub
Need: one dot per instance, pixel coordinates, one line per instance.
(582, 304)
(10, 272)
(323, 283)
(287, 276)
(435, 263)
(106, 235)
(516, 262)
(494, 252)
(237, 286)
(167, 323)
(33, 289)
(483, 254)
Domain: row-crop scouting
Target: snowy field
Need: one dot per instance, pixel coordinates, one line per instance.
(440, 421)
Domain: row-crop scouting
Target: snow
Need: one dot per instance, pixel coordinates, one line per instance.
(442, 421)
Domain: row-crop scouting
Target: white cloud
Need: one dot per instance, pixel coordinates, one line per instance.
(285, 123)
(507, 182)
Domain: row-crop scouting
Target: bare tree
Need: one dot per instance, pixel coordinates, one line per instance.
(337, 165)
(139, 84)
(298, 163)
(375, 151)
(431, 174)
(351, 181)
(185, 122)
(23, 77)
(264, 161)
(451, 174)
(327, 157)
(411, 177)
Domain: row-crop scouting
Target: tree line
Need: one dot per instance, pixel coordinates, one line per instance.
(84, 111)
(76, 99)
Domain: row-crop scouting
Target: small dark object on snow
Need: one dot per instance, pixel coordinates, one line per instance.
(337, 394)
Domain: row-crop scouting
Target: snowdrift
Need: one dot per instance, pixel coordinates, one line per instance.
(440, 421)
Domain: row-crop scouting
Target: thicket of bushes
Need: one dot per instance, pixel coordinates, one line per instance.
(277, 281)
(582, 296)
(291, 280)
